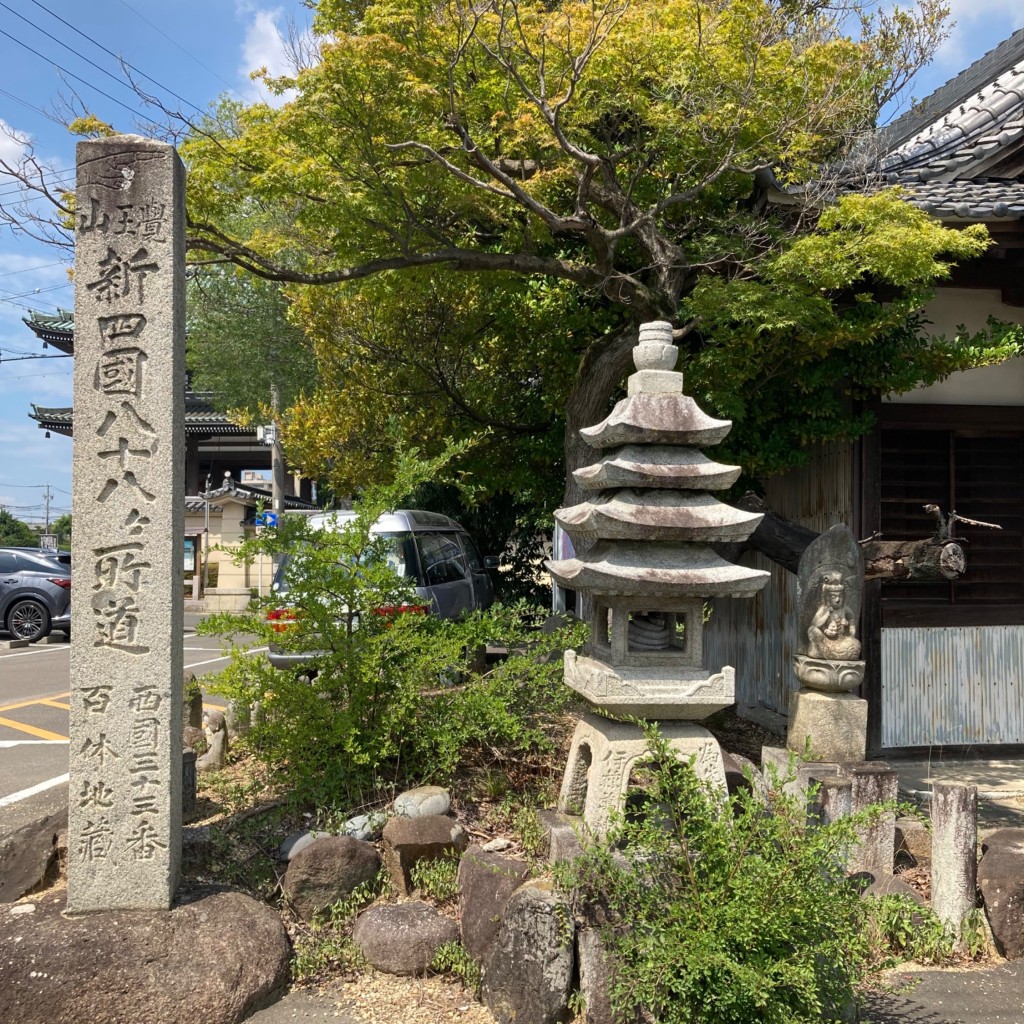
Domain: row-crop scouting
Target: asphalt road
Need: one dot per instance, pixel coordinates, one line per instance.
(34, 691)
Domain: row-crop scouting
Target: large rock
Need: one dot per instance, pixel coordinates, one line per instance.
(327, 871)
(402, 938)
(529, 972)
(422, 801)
(29, 855)
(215, 960)
(1001, 880)
(408, 840)
(486, 880)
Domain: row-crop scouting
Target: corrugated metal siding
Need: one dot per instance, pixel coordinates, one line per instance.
(956, 685)
(758, 636)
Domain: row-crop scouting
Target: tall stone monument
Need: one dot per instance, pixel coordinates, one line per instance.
(648, 571)
(124, 835)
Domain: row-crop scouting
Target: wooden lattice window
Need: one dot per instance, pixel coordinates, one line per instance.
(970, 460)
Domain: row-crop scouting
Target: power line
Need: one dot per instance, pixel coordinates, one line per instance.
(174, 42)
(78, 78)
(116, 57)
(51, 373)
(29, 270)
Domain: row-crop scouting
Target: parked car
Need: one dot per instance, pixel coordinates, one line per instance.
(35, 592)
(434, 551)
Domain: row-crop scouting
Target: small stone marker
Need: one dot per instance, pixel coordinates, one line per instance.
(124, 837)
(954, 852)
(875, 854)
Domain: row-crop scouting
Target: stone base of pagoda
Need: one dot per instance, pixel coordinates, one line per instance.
(669, 692)
(602, 758)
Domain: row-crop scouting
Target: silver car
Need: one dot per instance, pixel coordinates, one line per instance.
(35, 592)
(433, 550)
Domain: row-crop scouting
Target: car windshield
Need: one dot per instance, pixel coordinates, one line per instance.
(399, 551)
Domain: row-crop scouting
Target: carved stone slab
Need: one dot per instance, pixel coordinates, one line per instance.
(657, 515)
(675, 693)
(657, 569)
(830, 585)
(651, 465)
(602, 757)
(124, 834)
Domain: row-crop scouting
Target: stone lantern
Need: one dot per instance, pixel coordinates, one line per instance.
(645, 532)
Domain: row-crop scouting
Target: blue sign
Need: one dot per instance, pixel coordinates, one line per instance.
(266, 519)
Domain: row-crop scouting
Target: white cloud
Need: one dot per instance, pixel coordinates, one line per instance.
(978, 27)
(265, 46)
(12, 143)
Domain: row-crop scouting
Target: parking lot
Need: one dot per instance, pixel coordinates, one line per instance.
(35, 687)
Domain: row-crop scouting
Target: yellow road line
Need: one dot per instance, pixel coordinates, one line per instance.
(35, 700)
(54, 704)
(42, 734)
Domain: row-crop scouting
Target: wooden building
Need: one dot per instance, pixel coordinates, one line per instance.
(946, 660)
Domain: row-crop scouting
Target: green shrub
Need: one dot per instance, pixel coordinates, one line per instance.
(394, 696)
(721, 910)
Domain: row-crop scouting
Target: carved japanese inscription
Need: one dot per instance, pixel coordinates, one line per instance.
(125, 793)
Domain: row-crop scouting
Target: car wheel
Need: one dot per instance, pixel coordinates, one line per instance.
(28, 620)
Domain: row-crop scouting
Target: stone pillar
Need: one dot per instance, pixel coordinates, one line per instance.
(124, 833)
(876, 851)
(954, 852)
(831, 802)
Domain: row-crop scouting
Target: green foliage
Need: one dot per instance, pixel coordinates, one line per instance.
(453, 958)
(720, 910)
(911, 930)
(471, 204)
(240, 341)
(438, 880)
(384, 694)
(61, 526)
(16, 534)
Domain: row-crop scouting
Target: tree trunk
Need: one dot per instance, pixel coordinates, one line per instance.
(602, 369)
(784, 542)
(913, 560)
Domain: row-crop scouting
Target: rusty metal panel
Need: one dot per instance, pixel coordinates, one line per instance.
(758, 636)
(957, 685)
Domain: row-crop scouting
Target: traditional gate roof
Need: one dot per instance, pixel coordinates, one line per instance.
(58, 329)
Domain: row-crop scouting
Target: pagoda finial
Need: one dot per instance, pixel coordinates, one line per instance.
(655, 360)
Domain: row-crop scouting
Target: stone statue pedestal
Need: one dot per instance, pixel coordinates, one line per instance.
(836, 724)
(602, 757)
(828, 675)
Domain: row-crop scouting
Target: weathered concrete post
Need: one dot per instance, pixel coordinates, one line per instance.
(954, 852)
(124, 838)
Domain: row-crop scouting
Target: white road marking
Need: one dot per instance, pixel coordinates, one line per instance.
(24, 794)
(225, 657)
(46, 649)
(6, 744)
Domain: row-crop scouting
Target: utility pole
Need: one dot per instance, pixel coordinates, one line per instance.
(276, 456)
(47, 497)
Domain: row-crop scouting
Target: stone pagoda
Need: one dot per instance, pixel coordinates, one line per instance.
(645, 532)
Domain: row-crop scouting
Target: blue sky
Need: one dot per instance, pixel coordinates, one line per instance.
(198, 49)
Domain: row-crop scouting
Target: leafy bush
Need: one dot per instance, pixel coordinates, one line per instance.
(722, 910)
(386, 694)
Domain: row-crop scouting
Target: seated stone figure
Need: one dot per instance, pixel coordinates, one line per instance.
(832, 633)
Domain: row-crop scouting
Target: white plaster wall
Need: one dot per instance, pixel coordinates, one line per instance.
(989, 385)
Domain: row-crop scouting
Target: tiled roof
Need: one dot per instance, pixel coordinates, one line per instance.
(252, 495)
(966, 140)
(200, 418)
(198, 505)
(959, 88)
(56, 329)
(979, 199)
